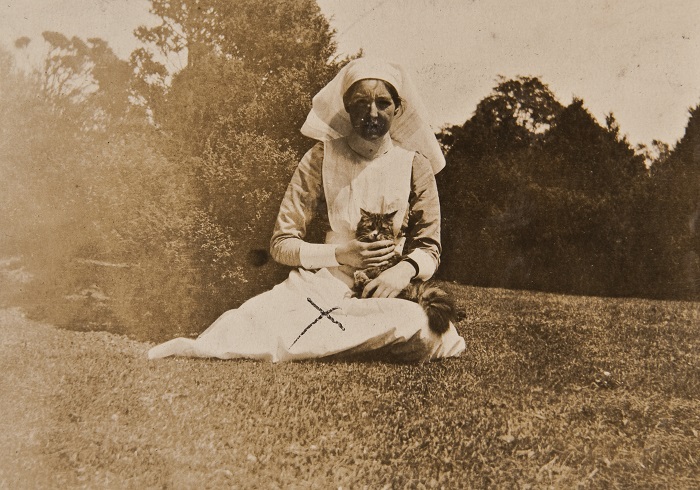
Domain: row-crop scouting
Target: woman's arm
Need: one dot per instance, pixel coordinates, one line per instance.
(304, 201)
(423, 229)
(422, 236)
(300, 205)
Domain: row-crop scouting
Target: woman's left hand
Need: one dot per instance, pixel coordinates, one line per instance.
(391, 282)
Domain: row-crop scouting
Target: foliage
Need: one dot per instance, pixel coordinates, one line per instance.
(97, 213)
(235, 111)
(512, 117)
(242, 177)
(33, 135)
(540, 196)
(159, 187)
(674, 209)
(253, 63)
(85, 72)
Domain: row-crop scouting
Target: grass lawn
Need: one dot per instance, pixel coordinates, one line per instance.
(553, 391)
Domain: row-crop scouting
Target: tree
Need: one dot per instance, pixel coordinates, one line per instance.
(267, 36)
(165, 213)
(482, 188)
(591, 157)
(67, 68)
(537, 195)
(232, 116)
(22, 42)
(85, 76)
(675, 213)
(96, 212)
(515, 115)
(250, 64)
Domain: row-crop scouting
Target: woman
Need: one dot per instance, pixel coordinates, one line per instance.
(372, 141)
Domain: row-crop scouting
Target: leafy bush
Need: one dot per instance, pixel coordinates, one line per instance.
(152, 217)
(241, 179)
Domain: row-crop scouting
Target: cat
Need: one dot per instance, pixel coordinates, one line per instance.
(437, 304)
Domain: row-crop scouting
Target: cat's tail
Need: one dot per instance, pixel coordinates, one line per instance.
(437, 304)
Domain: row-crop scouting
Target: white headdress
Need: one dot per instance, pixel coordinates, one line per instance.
(328, 119)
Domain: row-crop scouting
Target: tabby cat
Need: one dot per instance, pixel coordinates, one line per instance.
(438, 305)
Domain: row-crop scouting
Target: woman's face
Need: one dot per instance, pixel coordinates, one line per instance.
(371, 109)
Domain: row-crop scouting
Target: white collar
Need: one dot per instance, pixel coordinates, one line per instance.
(369, 150)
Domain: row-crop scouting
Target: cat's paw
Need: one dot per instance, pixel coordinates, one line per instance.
(361, 277)
(360, 280)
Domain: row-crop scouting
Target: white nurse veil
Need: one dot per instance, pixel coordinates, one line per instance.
(328, 119)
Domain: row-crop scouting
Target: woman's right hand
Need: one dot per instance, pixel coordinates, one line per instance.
(364, 254)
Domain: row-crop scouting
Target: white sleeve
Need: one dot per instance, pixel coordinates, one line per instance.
(426, 264)
(317, 255)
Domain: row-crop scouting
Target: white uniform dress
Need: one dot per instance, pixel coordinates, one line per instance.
(312, 313)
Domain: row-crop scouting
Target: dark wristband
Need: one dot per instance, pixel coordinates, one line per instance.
(413, 263)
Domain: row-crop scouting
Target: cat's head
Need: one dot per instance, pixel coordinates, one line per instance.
(374, 227)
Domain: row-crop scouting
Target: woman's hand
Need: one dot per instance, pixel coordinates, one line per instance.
(391, 282)
(364, 254)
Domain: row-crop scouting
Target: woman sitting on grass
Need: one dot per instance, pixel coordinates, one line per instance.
(376, 157)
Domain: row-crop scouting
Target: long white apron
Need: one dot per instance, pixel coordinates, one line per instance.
(312, 314)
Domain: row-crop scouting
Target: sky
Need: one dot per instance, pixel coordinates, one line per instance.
(639, 59)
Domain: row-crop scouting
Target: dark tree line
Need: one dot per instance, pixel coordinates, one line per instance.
(541, 196)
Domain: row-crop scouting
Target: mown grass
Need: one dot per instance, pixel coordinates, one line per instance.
(553, 391)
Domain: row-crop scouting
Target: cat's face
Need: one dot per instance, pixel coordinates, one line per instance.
(374, 227)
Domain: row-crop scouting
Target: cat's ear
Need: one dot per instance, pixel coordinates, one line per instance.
(365, 214)
(391, 215)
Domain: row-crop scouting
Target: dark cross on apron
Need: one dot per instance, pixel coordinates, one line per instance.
(324, 313)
